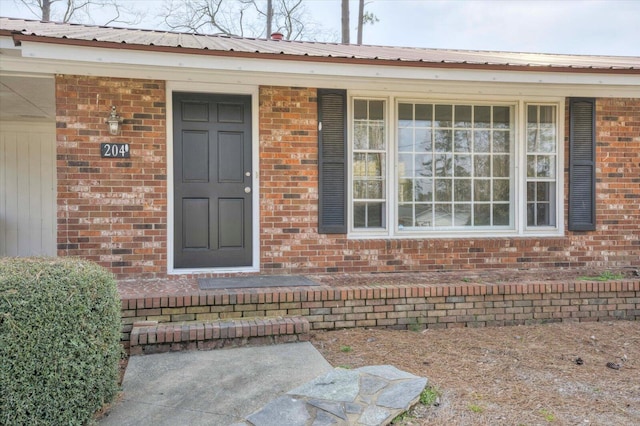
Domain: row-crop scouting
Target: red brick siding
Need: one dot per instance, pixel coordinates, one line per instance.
(112, 211)
(289, 239)
(115, 211)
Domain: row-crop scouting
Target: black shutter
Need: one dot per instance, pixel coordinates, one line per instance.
(332, 161)
(582, 164)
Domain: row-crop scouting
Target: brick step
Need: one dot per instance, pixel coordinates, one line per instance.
(153, 337)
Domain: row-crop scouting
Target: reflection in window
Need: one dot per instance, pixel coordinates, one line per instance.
(454, 166)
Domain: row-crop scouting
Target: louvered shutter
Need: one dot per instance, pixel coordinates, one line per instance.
(332, 161)
(582, 164)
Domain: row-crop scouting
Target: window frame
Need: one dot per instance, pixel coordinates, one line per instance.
(518, 168)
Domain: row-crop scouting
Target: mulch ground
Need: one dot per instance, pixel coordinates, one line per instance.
(558, 374)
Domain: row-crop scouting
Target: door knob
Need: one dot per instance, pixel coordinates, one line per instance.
(247, 189)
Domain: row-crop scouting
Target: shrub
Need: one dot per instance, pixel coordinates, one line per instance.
(59, 340)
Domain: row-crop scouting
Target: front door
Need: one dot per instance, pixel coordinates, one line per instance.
(212, 180)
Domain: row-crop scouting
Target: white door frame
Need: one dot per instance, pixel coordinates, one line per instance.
(182, 86)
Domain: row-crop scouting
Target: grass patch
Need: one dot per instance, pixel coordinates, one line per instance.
(429, 395)
(548, 416)
(475, 408)
(345, 348)
(604, 276)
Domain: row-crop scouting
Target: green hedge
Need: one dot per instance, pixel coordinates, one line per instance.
(59, 340)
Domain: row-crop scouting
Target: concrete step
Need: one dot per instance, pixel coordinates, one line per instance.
(152, 337)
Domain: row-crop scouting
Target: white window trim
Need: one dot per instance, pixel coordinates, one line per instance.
(518, 189)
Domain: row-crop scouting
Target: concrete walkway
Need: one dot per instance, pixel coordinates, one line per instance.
(287, 384)
(219, 387)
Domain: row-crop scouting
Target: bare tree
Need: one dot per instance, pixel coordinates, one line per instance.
(246, 18)
(82, 11)
(345, 22)
(363, 19)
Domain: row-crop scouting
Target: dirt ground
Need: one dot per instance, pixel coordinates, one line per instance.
(521, 375)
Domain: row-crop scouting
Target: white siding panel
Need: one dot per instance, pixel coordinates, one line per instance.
(27, 189)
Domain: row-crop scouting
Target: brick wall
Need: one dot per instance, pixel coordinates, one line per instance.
(400, 306)
(289, 180)
(112, 211)
(115, 211)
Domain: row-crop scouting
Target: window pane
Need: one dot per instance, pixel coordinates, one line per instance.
(463, 116)
(481, 166)
(405, 165)
(462, 215)
(374, 215)
(481, 190)
(424, 165)
(360, 110)
(360, 136)
(423, 140)
(501, 190)
(359, 215)
(424, 215)
(405, 215)
(547, 138)
(424, 190)
(443, 140)
(501, 214)
(532, 137)
(501, 117)
(359, 188)
(462, 165)
(374, 189)
(405, 190)
(443, 214)
(376, 137)
(405, 140)
(462, 190)
(501, 166)
(482, 117)
(482, 141)
(443, 190)
(443, 165)
(376, 110)
(501, 141)
(405, 115)
(545, 166)
(482, 214)
(462, 140)
(443, 116)
(423, 115)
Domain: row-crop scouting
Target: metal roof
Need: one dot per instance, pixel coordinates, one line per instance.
(123, 38)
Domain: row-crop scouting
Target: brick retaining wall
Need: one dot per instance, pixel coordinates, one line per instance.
(400, 306)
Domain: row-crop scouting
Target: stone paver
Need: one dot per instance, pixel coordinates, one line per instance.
(371, 396)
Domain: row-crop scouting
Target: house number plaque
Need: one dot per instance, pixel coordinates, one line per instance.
(114, 150)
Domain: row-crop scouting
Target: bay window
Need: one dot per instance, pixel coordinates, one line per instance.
(453, 167)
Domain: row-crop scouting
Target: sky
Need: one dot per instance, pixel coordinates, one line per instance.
(591, 27)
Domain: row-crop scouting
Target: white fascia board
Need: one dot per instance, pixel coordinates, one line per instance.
(56, 58)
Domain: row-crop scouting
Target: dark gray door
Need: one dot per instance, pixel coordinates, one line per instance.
(212, 180)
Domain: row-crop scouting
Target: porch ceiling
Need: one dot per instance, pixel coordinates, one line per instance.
(25, 98)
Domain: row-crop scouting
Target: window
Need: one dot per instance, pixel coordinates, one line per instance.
(454, 166)
(457, 167)
(369, 164)
(541, 165)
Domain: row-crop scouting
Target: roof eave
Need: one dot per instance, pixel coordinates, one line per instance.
(21, 37)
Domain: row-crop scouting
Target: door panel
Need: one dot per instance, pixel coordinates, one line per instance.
(212, 171)
(27, 189)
